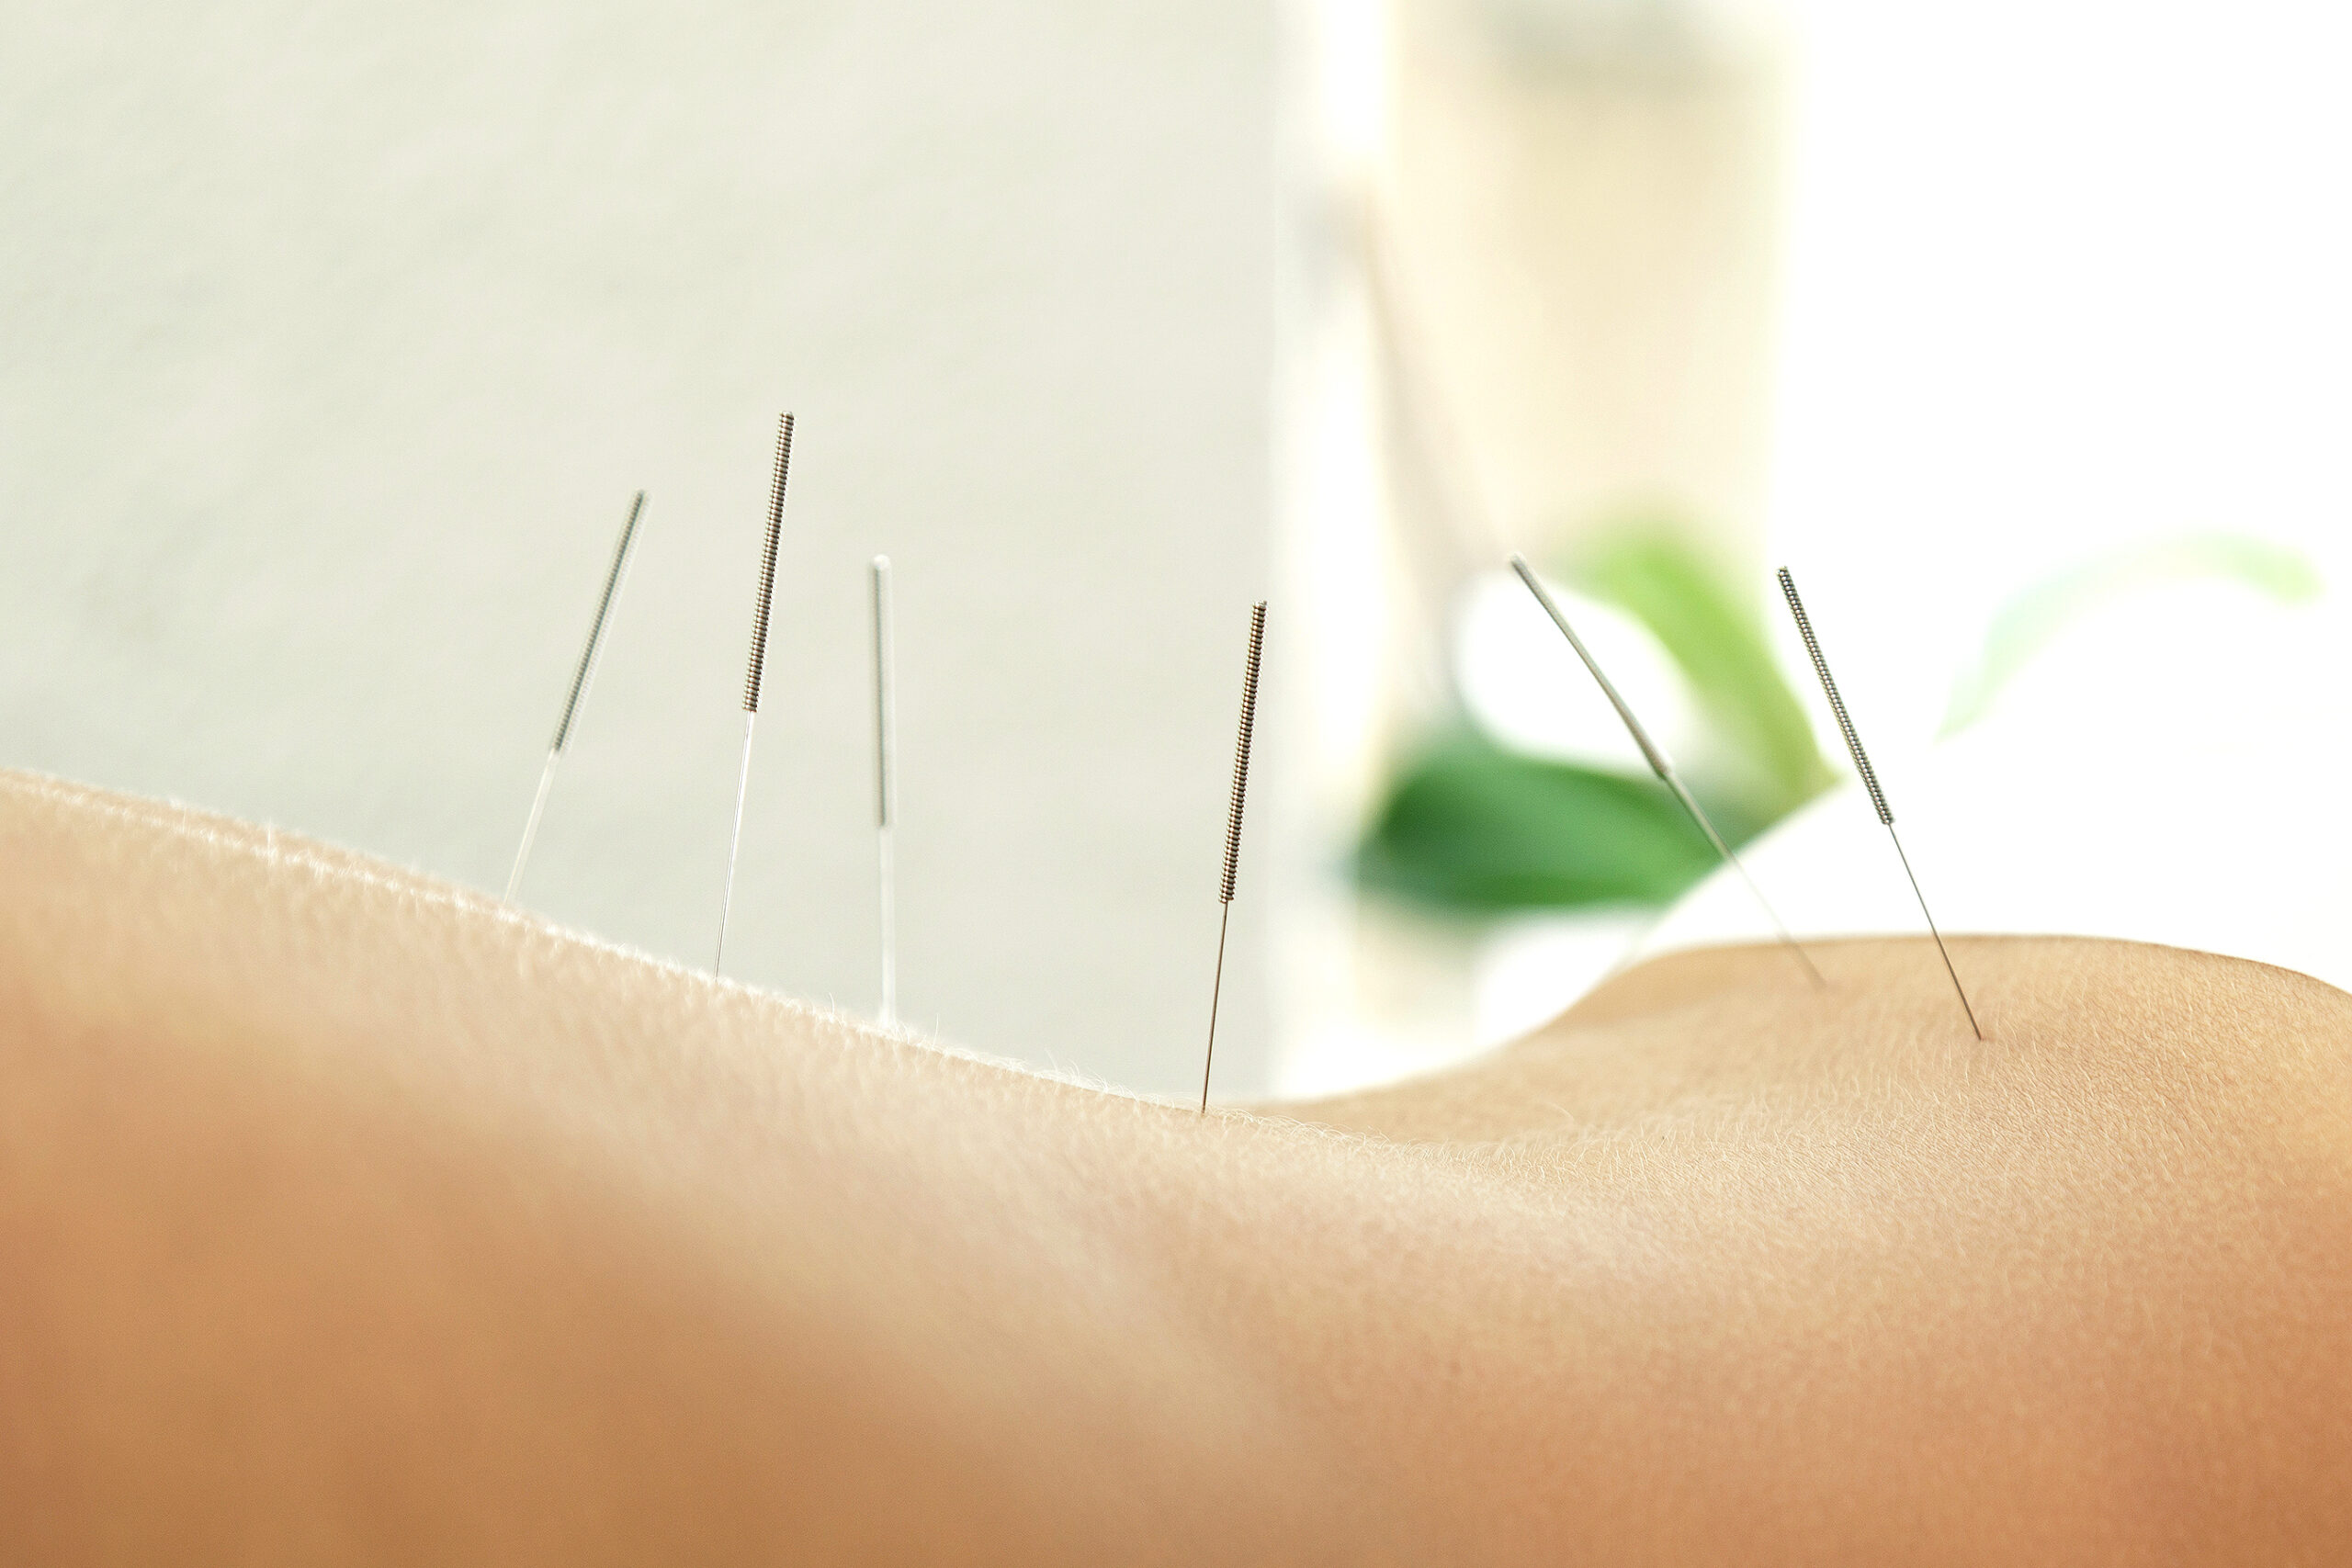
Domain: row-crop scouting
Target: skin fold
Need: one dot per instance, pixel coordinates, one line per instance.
(348, 1216)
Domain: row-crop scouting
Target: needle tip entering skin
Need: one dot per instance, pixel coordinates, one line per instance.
(1233, 829)
(1869, 782)
(886, 784)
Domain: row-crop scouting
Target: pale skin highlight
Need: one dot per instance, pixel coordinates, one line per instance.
(347, 1216)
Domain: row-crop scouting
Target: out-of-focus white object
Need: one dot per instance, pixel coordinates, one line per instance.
(1522, 683)
(2060, 275)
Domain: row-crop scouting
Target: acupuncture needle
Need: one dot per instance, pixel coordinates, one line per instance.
(758, 663)
(1663, 766)
(1869, 782)
(583, 678)
(1233, 829)
(886, 785)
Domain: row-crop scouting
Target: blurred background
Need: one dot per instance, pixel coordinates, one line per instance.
(337, 340)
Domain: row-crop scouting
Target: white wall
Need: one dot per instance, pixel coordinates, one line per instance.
(334, 339)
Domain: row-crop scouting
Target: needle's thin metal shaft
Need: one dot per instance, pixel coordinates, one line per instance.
(1663, 766)
(1233, 829)
(583, 676)
(758, 665)
(1913, 878)
(886, 784)
(1869, 782)
(734, 842)
(1217, 990)
(531, 826)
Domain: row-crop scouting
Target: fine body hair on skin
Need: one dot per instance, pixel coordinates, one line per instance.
(347, 1216)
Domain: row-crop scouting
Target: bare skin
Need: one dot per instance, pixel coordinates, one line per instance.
(348, 1217)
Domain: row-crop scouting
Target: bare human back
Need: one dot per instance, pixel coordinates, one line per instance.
(349, 1216)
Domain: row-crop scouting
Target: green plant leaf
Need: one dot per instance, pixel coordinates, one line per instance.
(1470, 825)
(1653, 573)
(2031, 620)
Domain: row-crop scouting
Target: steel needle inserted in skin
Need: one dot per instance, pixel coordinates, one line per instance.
(758, 661)
(1869, 782)
(582, 678)
(1663, 766)
(886, 784)
(1233, 829)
